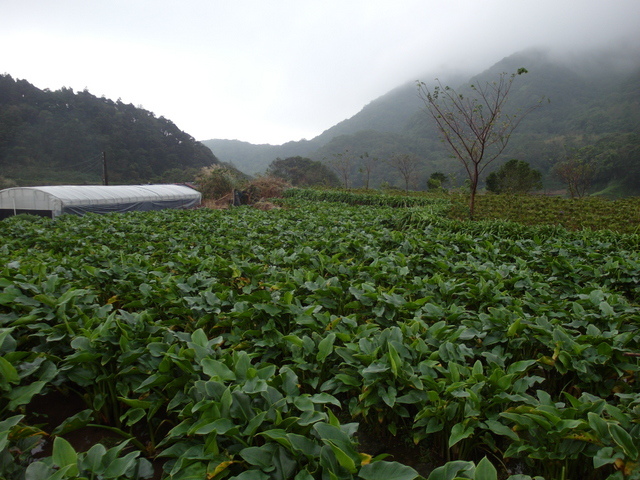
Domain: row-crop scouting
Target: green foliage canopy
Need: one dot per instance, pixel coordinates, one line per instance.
(59, 136)
(515, 176)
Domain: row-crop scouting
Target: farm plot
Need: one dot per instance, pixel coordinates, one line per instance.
(316, 341)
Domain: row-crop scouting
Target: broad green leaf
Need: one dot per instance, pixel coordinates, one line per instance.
(454, 371)
(251, 475)
(477, 369)
(221, 426)
(520, 367)
(513, 330)
(605, 456)
(93, 458)
(388, 395)
(335, 435)
(606, 309)
(459, 432)
(8, 373)
(135, 403)
(285, 465)
(293, 339)
(254, 424)
(79, 420)
(5, 429)
(304, 403)
(259, 456)
(333, 420)
(450, 470)
(387, 471)
(38, 471)
(303, 444)
(325, 398)
(303, 475)
(199, 338)
(500, 429)
(23, 395)
(343, 458)
(4, 334)
(624, 440)
(64, 455)
(325, 347)
(347, 379)
(394, 360)
(118, 467)
(598, 425)
(217, 369)
(485, 470)
(279, 435)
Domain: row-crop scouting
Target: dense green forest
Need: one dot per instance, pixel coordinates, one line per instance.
(49, 137)
(588, 102)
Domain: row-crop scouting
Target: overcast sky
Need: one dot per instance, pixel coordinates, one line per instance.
(271, 71)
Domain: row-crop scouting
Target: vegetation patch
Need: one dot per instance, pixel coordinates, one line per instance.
(247, 344)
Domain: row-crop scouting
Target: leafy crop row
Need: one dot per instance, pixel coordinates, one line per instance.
(249, 344)
(371, 198)
(592, 213)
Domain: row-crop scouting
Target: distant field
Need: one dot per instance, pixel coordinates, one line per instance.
(595, 213)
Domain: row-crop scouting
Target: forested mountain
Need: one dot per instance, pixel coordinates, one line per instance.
(53, 137)
(586, 100)
(592, 101)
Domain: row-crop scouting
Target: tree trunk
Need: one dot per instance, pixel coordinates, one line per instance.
(472, 203)
(473, 188)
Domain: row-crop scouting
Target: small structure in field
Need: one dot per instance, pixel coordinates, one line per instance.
(51, 201)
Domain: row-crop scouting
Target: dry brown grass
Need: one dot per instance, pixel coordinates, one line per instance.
(218, 203)
(263, 188)
(264, 205)
(259, 189)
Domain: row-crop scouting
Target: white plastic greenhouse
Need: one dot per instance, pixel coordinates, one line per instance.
(80, 199)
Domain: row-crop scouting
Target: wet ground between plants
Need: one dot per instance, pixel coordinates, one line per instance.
(51, 410)
(375, 441)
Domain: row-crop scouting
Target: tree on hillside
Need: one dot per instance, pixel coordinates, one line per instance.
(436, 181)
(341, 163)
(578, 171)
(516, 177)
(407, 165)
(300, 171)
(367, 166)
(476, 128)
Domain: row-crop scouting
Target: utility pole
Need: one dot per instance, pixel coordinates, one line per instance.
(105, 178)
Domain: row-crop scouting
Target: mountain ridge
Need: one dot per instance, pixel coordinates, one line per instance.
(62, 136)
(398, 117)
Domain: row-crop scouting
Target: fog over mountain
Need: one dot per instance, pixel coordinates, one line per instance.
(587, 96)
(270, 72)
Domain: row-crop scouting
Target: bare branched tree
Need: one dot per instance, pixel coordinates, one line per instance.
(406, 164)
(476, 128)
(341, 163)
(367, 166)
(578, 171)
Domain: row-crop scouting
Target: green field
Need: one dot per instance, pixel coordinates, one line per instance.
(322, 340)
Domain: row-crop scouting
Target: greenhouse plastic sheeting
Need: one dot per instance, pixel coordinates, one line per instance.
(52, 201)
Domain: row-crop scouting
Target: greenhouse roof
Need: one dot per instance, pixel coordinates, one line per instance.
(97, 198)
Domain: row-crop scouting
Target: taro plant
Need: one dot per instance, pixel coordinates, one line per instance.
(464, 404)
(556, 438)
(97, 462)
